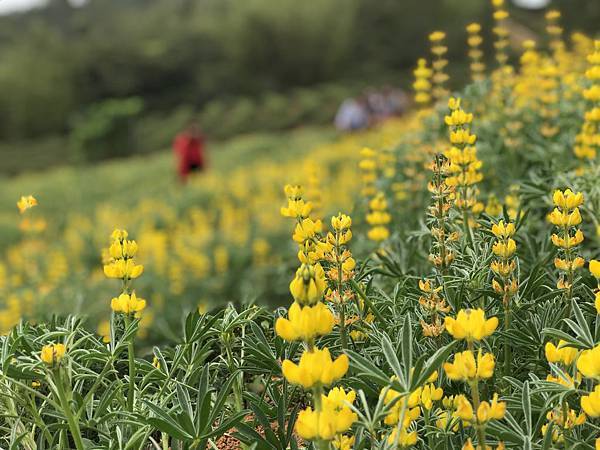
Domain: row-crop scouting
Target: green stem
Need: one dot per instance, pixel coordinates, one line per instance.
(131, 358)
(507, 348)
(66, 407)
(467, 227)
(338, 257)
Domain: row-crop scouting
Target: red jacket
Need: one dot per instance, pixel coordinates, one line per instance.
(189, 150)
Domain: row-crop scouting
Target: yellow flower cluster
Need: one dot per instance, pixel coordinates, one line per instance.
(432, 304)
(332, 421)
(500, 31)
(409, 407)
(441, 254)
(587, 142)
(309, 318)
(503, 267)
(566, 217)
(472, 326)
(474, 41)
(52, 354)
(554, 31)
(422, 83)
(378, 218)
(439, 63)
(127, 304)
(464, 167)
(563, 419)
(26, 202)
(341, 270)
(30, 224)
(368, 171)
(122, 263)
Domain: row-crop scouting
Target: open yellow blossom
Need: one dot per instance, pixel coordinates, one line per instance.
(567, 199)
(125, 269)
(52, 353)
(591, 403)
(465, 368)
(26, 202)
(305, 323)
(323, 425)
(315, 368)
(502, 230)
(429, 394)
(504, 249)
(127, 304)
(488, 411)
(471, 324)
(589, 363)
(560, 353)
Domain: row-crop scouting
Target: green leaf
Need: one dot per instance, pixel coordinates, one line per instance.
(164, 422)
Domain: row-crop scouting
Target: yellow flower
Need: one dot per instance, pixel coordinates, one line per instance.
(343, 442)
(341, 222)
(26, 202)
(597, 302)
(504, 249)
(315, 368)
(591, 403)
(565, 218)
(502, 230)
(464, 367)
(305, 323)
(589, 363)
(464, 410)
(595, 268)
(123, 268)
(437, 36)
(429, 394)
(560, 353)
(127, 304)
(123, 249)
(567, 199)
(406, 438)
(119, 235)
(335, 418)
(306, 230)
(308, 285)
(487, 411)
(470, 324)
(52, 353)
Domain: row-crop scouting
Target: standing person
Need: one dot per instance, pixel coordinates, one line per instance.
(188, 147)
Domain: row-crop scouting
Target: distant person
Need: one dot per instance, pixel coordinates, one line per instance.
(351, 115)
(188, 147)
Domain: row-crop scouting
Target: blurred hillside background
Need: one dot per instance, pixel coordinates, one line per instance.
(110, 78)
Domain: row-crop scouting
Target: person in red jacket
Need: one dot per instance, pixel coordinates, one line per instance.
(188, 147)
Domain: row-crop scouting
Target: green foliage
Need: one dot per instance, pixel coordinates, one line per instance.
(104, 130)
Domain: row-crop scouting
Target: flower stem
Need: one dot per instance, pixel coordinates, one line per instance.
(66, 407)
(131, 357)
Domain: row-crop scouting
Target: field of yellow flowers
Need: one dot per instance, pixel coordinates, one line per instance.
(438, 276)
